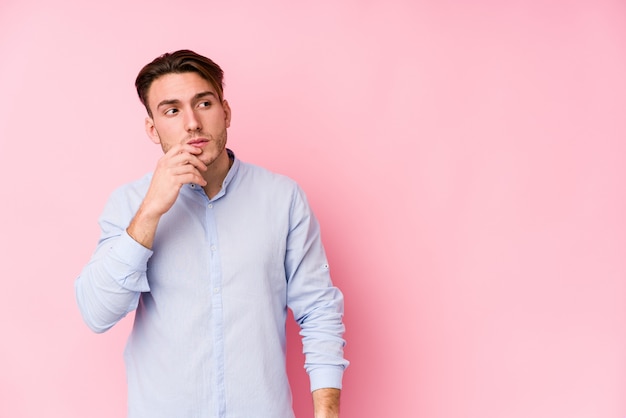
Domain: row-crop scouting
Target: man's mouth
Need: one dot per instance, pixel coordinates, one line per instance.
(199, 142)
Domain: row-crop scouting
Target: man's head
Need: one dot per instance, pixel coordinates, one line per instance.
(182, 92)
(183, 61)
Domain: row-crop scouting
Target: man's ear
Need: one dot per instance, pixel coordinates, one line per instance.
(151, 131)
(227, 112)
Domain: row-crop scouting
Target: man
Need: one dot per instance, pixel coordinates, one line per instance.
(210, 252)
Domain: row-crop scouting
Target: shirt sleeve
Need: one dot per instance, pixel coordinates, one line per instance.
(109, 286)
(317, 305)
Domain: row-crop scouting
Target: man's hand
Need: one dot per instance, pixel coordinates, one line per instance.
(326, 402)
(177, 167)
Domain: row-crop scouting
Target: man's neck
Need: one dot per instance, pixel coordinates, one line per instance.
(216, 174)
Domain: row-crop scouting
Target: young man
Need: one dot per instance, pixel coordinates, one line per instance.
(210, 252)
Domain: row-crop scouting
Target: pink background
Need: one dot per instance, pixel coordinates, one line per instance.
(467, 163)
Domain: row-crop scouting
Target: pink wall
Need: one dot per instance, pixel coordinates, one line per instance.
(467, 163)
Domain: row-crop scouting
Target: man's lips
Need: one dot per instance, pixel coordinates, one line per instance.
(199, 142)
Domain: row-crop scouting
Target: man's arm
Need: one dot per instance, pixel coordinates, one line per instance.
(176, 168)
(317, 306)
(110, 285)
(326, 402)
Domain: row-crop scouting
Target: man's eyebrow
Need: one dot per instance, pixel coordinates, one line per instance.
(203, 95)
(168, 102)
(197, 96)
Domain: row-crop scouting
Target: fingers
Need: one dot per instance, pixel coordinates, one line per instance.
(186, 154)
(181, 165)
(187, 173)
(185, 158)
(182, 172)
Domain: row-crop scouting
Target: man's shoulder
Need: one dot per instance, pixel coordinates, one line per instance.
(133, 189)
(258, 174)
(124, 200)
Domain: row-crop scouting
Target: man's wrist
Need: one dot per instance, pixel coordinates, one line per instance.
(143, 227)
(326, 402)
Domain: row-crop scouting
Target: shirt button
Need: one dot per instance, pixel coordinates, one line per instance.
(216, 290)
(210, 205)
(213, 248)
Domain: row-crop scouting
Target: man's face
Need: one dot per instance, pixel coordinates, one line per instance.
(186, 110)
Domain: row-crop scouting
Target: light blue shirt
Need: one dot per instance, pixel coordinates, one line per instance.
(211, 298)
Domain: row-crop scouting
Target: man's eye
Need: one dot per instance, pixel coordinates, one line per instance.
(172, 111)
(204, 104)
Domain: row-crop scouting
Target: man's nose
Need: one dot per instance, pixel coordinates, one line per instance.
(192, 122)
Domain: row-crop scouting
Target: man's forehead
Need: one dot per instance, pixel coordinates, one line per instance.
(179, 86)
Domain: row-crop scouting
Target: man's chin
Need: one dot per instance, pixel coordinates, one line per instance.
(212, 158)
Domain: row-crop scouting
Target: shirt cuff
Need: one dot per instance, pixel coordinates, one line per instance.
(327, 377)
(132, 257)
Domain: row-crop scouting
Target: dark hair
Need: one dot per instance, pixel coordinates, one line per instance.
(183, 61)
